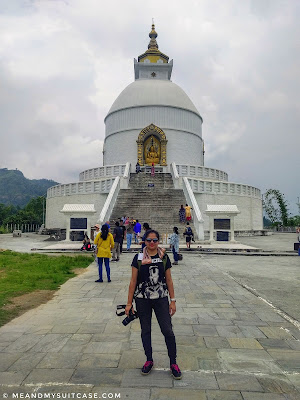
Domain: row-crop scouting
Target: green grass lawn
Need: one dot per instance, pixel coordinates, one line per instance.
(22, 273)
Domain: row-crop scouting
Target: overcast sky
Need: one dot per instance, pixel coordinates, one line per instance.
(64, 62)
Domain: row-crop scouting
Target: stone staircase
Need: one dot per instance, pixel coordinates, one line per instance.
(158, 205)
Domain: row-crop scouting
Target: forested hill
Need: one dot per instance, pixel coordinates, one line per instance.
(17, 190)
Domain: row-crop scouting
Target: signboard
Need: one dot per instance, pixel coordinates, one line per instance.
(222, 236)
(78, 223)
(222, 224)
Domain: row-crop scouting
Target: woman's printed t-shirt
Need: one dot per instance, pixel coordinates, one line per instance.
(151, 281)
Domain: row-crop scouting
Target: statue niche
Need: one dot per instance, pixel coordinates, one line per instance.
(152, 150)
(151, 146)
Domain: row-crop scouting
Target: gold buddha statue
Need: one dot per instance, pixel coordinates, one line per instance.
(152, 156)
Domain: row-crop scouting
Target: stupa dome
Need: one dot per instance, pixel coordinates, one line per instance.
(153, 92)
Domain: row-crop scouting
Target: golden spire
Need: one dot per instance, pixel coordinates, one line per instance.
(153, 35)
(153, 54)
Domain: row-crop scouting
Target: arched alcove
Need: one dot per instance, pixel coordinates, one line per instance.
(152, 146)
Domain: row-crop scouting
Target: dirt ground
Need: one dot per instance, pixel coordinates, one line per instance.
(29, 300)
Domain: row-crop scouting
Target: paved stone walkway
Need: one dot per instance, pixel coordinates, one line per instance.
(231, 345)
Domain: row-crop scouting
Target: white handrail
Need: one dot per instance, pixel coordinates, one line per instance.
(125, 177)
(175, 175)
(110, 201)
(113, 194)
(127, 171)
(196, 213)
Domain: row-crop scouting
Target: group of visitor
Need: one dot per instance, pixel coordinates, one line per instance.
(105, 242)
(109, 245)
(132, 228)
(185, 214)
(138, 168)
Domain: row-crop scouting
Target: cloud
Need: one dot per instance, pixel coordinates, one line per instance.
(63, 63)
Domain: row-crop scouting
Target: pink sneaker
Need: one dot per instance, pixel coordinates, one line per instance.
(147, 368)
(175, 371)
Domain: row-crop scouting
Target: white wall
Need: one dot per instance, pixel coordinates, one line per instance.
(183, 130)
(55, 219)
(182, 147)
(165, 117)
(250, 217)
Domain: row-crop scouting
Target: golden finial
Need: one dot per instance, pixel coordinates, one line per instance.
(153, 54)
(153, 35)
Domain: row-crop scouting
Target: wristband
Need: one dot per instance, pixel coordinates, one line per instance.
(173, 300)
(129, 304)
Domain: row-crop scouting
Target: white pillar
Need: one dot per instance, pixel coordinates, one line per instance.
(67, 227)
(88, 227)
(211, 228)
(232, 228)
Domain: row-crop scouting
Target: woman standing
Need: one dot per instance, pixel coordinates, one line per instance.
(105, 243)
(188, 214)
(152, 170)
(151, 284)
(146, 228)
(174, 244)
(182, 214)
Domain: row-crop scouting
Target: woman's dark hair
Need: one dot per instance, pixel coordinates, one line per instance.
(117, 223)
(175, 229)
(146, 226)
(104, 232)
(181, 206)
(152, 231)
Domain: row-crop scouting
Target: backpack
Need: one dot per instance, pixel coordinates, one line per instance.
(88, 247)
(189, 231)
(164, 260)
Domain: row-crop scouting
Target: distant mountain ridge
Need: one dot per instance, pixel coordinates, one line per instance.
(17, 190)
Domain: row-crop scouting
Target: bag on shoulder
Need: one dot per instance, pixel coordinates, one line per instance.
(164, 260)
(189, 231)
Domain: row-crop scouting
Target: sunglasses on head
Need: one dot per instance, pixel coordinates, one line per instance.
(152, 240)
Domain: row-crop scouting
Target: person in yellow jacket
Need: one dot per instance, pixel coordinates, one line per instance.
(105, 243)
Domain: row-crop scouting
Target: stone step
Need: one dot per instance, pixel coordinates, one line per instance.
(158, 205)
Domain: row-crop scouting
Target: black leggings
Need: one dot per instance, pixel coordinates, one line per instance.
(161, 309)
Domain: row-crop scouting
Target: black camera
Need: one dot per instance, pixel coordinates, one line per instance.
(130, 317)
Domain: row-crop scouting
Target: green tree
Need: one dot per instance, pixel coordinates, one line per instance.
(6, 211)
(294, 221)
(32, 213)
(275, 207)
(37, 206)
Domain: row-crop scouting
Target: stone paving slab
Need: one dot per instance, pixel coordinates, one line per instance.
(263, 396)
(223, 395)
(43, 375)
(160, 379)
(178, 394)
(98, 377)
(238, 382)
(231, 345)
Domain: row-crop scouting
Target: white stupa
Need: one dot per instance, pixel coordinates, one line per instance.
(154, 121)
